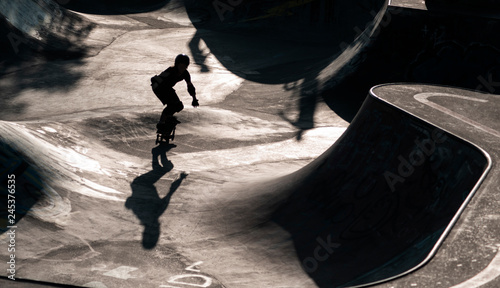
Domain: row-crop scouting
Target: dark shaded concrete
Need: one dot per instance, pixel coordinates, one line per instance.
(463, 258)
(380, 200)
(22, 186)
(424, 46)
(315, 34)
(29, 31)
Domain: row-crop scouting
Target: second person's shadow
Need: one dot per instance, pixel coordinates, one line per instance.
(145, 200)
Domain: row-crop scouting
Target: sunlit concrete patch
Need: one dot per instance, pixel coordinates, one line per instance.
(424, 98)
(120, 21)
(49, 129)
(69, 159)
(119, 76)
(52, 207)
(150, 52)
(205, 127)
(122, 272)
(60, 163)
(313, 143)
(175, 12)
(136, 268)
(95, 284)
(30, 192)
(488, 274)
(221, 123)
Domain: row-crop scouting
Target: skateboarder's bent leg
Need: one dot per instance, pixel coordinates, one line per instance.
(174, 104)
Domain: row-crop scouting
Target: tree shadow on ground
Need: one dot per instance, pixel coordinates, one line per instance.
(145, 200)
(45, 62)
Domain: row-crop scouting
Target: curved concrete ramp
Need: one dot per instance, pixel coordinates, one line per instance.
(379, 203)
(111, 209)
(426, 45)
(116, 211)
(320, 37)
(468, 257)
(43, 26)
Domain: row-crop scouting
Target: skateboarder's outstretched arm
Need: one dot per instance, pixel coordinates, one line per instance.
(192, 91)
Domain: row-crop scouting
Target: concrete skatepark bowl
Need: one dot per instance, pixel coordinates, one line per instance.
(301, 167)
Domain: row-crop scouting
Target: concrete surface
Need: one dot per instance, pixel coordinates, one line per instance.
(252, 193)
(468, 257)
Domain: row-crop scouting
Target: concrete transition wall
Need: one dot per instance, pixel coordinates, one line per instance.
(43, 25)
(316, 21)
(378, 202)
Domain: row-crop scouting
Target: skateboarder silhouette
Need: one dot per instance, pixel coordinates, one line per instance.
(163, 88)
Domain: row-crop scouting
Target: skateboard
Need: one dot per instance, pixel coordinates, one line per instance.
(166, 132)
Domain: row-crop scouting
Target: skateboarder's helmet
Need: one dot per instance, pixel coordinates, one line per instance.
(182, 58)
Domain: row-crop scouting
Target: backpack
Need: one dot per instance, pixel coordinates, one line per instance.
(156, 82)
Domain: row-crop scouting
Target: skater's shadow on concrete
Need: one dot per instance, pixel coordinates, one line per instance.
(146, 202)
